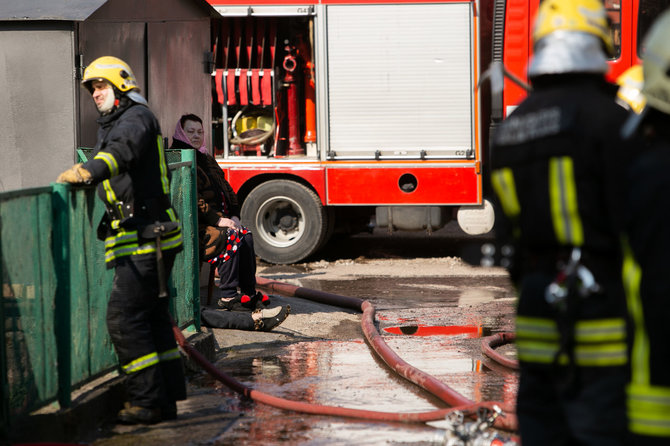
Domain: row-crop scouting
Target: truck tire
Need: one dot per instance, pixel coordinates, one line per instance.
(287, 219)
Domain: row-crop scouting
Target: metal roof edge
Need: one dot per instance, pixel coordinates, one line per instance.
(49, 10)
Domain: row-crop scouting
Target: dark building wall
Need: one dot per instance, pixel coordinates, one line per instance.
(45, 114)
(164, 42)
(178, 83)
(37, 115)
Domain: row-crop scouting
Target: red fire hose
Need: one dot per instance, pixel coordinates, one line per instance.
(317, 409)
(489, 344)
(412, 374)
(507, 421)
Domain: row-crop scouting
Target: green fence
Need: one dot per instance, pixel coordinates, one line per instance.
(55, 288)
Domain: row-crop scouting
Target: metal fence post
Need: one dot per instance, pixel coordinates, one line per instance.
(189, 156)
(4, 385)
(61, 255)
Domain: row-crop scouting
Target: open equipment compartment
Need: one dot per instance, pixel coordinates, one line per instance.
(263, 82)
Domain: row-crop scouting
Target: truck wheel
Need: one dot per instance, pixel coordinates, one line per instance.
(287, 219)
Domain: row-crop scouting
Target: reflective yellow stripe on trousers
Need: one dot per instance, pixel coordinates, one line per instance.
(648, 404)
(141, 363)
(598, 342)
(169, 355)
(151, 359)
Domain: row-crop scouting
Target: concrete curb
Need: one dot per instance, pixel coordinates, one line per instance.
(91, 408)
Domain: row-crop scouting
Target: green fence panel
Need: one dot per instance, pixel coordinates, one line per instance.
(186, 271)
(55, 288)
(91, 351)
(28, 304)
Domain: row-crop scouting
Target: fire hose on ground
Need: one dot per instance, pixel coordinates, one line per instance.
(489, 344)
(457, 402)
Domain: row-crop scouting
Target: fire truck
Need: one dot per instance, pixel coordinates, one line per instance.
(339, 115)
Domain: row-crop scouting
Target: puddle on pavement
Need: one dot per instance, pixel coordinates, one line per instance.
(445, 291)
(434, 324)
(348, 374)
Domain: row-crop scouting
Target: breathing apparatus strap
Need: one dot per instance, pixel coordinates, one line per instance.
(564, 294)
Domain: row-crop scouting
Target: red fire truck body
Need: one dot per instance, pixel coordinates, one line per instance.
(327, 114)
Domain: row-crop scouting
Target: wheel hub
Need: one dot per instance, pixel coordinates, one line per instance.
(286, 220)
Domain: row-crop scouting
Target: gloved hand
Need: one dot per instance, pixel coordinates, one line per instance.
(75, 175)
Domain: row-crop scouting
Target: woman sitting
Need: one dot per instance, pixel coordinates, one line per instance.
(224, 243)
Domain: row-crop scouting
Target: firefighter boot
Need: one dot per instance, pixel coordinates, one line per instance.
(139, 415)
(169, 411)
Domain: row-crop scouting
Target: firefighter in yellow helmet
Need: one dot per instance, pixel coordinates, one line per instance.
(557, 164)
(142, 236)
(646, 271)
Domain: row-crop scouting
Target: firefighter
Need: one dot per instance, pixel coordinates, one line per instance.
(557, 168)
(142, 235)
(646, 270)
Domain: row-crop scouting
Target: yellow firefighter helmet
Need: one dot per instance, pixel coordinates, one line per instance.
(630, 88)
(588, 16)
(110, 69)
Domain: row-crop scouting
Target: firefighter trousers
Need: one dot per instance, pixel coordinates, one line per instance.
(239, 271)
(582, 406)
(139, 325)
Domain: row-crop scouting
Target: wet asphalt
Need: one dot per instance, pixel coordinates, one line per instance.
(319, 355)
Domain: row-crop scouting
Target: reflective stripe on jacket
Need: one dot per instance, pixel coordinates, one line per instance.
(130, 168)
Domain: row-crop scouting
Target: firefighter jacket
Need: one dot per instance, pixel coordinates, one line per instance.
(557, 164)
(647, 282)
(133, 179)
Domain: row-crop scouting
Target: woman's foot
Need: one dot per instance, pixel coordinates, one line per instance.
(244, 302)
(267, 319)
(262, 299)
(240, 302)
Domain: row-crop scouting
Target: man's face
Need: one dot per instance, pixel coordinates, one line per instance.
(103, 95)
